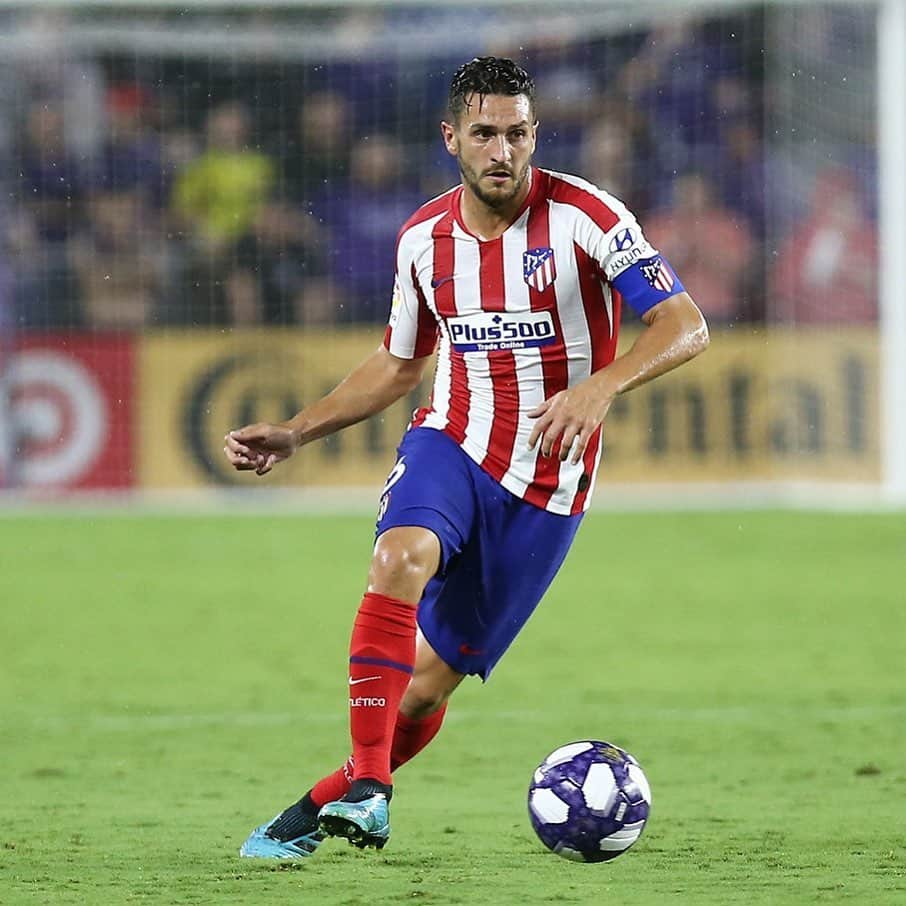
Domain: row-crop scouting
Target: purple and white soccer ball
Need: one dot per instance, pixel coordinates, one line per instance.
(589, 801)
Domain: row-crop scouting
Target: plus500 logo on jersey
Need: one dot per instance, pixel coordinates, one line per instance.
(489, 331)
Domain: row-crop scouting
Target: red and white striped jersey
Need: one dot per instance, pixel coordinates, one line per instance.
(519, 318)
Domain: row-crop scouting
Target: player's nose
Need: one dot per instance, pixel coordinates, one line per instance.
(502, 150)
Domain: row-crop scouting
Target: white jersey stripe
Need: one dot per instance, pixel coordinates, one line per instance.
(481, 394)
(576, 336)
(529, 374)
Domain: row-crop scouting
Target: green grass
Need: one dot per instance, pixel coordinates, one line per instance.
(167, 683)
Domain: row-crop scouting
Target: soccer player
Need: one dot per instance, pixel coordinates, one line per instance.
(516, 276)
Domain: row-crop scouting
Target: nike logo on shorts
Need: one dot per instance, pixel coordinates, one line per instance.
(363, 679)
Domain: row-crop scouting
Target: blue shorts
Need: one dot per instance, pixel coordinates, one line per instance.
(499, 554)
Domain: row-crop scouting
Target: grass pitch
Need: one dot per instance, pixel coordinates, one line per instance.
(167, 683)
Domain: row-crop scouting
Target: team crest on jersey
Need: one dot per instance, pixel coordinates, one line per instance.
(657, 273)
(538, 269)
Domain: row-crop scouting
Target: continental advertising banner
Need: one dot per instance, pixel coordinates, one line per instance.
(781, 404)
(757, 405)
(67, 401)
(195, 386)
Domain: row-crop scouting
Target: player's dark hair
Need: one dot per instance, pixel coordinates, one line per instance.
(489, 75)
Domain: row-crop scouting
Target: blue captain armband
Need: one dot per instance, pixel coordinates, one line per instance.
(645, 283)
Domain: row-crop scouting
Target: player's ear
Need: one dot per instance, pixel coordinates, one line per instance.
(448, 132)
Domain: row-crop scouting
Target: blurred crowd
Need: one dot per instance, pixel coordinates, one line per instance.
(157, 192)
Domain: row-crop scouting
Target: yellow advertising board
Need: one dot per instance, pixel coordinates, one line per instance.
(196, 385)
(778, 404)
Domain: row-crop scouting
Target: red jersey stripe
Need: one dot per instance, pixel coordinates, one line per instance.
(444, 252)
(566, 193)
(501, 364)
(603, 339)
(445, 302)
(588, 463)
(593, 301)
(616, 305)
(428, 210)
(426, 338)
(553, 358)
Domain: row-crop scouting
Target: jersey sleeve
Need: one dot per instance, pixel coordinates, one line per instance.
(641, 275)
(412, 328)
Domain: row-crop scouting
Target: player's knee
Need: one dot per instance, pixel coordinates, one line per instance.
(391, 562)
(399, 569)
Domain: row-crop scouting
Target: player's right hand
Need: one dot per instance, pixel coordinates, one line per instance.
(259, 447)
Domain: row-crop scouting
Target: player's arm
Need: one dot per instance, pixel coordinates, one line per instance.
(675, 332)
(378, 382)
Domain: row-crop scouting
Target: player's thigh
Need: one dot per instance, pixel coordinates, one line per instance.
(430, 487)
(433, 682)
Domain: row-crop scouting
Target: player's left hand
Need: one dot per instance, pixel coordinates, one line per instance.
(571, 417)
(259, 447)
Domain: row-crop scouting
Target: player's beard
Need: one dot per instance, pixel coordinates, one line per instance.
(496, 199)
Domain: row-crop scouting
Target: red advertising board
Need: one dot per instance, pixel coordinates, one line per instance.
(68, 421)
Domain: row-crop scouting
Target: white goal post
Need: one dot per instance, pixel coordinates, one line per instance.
(892, 191)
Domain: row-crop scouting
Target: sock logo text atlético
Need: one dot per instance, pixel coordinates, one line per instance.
(364, 702)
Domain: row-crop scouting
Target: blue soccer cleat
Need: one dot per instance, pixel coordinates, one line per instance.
(365, 823)
(261, 845)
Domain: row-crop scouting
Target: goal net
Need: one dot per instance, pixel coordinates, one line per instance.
(199, 208)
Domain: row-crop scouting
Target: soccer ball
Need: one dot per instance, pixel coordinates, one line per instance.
(589, 801)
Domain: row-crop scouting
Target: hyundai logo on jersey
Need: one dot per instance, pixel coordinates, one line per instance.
(538, 268)
(489, 331)
(625, 239)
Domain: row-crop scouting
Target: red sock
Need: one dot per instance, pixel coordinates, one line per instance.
(334, 786)
(409, 738)
(381, 657)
